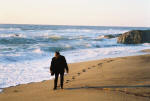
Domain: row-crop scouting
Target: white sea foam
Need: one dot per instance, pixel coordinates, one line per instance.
(37, 51)
(100, 37)
(88, 45)
(100, 53)
(67, 46)
(54, 37)
(24, 72)
(1, 90)
(12, 35)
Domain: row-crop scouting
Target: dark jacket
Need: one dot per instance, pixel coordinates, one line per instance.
(58, 65)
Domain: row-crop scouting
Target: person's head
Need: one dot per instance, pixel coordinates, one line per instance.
(57, 54)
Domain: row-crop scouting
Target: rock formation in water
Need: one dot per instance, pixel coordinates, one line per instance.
(135, 37)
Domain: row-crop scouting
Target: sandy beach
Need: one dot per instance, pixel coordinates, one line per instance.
(112, 79)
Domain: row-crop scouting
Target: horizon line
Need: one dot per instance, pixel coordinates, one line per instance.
(69, 25)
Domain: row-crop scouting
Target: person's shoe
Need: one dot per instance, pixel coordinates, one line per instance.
(54, 88)
(62, 87)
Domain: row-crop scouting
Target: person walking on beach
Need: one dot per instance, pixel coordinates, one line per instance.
(58, 67)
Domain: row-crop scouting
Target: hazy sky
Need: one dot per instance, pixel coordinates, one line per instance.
(76, 12)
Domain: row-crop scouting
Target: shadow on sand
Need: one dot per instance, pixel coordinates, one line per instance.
(92, 87)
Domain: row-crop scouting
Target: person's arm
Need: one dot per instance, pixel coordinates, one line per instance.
(66, 65)
(52, 65)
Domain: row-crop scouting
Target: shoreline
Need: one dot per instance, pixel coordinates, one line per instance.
(119, 79)
(112, 78)
(145, 52)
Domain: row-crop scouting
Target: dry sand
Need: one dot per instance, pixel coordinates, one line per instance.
(113, 79)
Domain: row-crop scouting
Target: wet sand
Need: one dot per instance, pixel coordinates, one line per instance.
(112, 79)
(146, 50)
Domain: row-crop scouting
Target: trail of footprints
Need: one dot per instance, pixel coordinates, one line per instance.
(79, 73)
(100, 65)
(85, 70)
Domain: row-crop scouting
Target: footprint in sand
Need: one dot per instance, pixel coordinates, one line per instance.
(111, 60)
(16, 91)
(128, 93)
(68, 80)
(100, 64)
(78, 74)
(84, 70)
(73, 77)
(93, 66)
(89, 68)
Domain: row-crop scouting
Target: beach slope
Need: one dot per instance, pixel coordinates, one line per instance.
(113, 79)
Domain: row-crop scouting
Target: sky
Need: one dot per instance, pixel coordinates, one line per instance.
(76, 12)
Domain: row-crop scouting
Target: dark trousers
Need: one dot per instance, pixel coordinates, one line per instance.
(61, 79)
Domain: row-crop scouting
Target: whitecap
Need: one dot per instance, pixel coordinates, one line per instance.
(67, 46)
(12, 35)
(1, 90)
(37, 51)
(100, 37)
(54, 37)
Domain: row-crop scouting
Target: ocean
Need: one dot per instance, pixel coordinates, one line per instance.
(26, 50)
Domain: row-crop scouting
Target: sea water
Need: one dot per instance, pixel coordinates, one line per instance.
(26, 50)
